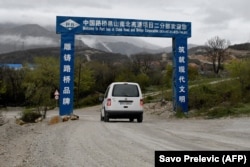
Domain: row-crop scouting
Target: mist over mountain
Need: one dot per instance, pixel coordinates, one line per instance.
(121, 44)
(14, 38)
(22, 37)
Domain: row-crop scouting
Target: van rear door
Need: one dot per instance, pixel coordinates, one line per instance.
(126, 97)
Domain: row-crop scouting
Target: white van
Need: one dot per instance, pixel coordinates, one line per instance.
(122, 100)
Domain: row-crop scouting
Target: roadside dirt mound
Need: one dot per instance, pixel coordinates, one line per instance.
(162, 108)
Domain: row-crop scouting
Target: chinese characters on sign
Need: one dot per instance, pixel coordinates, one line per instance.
(180, 73)
(67, 74)
(131, 27)
(68, 27)
(123, 27)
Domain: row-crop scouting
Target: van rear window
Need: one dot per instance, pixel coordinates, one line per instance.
(125, 90)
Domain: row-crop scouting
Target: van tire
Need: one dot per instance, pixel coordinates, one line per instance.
(102, 118)
(106, 116)
(140, 118)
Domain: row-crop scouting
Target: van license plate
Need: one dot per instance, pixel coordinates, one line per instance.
(125, 103)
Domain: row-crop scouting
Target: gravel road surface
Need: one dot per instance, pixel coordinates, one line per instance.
(88, 142)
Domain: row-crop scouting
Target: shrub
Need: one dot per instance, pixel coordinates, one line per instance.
(89, 100)
(192, 73)
(208, 96)
(30, 116)
(148, 99)
(202, 97)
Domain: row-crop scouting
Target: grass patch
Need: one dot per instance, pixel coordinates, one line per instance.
(180, 114)
(222, 111)
(243, 109)
(222, 99)
(204, 81)
(212, 98)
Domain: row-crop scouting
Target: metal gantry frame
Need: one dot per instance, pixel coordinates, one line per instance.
(69, 26)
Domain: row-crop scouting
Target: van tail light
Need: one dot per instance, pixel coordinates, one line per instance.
(141, 102)
(108, 102)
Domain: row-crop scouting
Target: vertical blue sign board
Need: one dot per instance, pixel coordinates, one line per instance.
(66, 74)
(68, 27)
(180, 74)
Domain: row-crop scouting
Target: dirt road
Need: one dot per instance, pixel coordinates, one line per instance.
(89, 142)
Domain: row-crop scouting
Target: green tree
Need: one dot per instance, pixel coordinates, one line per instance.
(2, 85)
(84, 80)
(2, 89)
(125, 75)
(240, 69)
(103, 74)
(11, 92)
(169, 76)
(192, 73)
(41, 82)
(142, 80)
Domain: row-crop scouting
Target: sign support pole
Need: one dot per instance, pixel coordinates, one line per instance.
(180, 74)
(67, 74)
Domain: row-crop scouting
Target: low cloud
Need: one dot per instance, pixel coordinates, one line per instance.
(27, 41)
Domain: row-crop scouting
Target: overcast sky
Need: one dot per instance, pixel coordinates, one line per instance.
(228, 19)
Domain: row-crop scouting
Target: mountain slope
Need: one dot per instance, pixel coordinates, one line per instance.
(28, 56)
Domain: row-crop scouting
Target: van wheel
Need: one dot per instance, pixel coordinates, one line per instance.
(102, 118)
(131, 119)
(106, 116)
(140, 118)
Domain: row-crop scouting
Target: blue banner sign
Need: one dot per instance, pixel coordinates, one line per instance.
(66, 74)
(122, 27)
